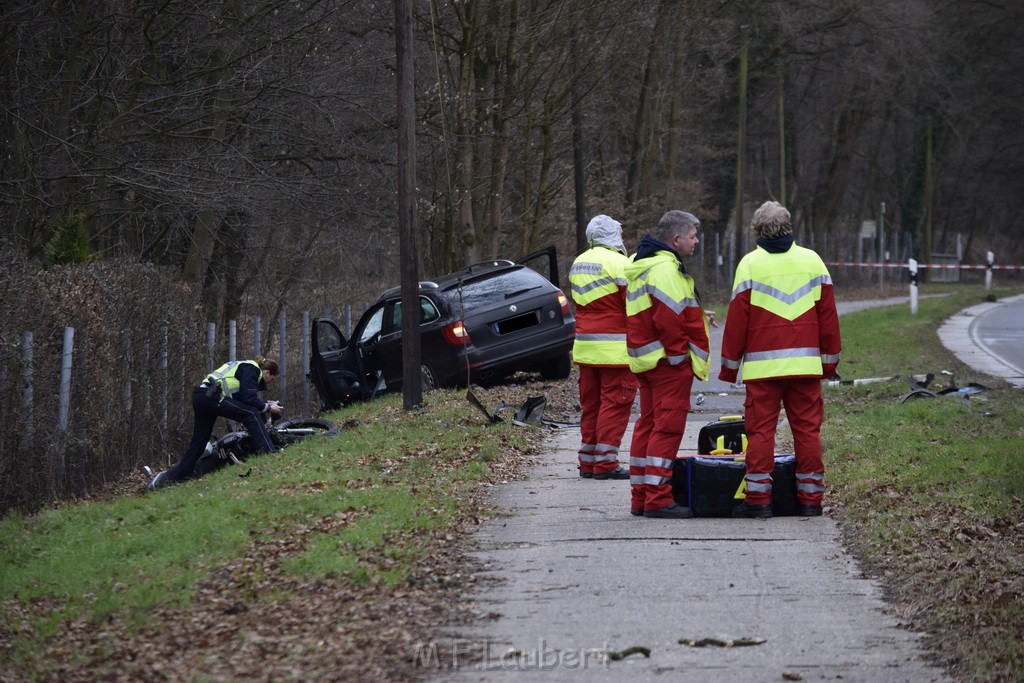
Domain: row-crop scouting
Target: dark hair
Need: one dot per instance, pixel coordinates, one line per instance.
(268, 365)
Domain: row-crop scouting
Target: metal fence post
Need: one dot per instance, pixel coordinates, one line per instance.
(211, 340)
(26, 390)
(60, 463)
(65, 380)
(883, 255)
(718, 259)
(165, 388)
(232, 338)
(283, 380)
(186, 394)
(126, 383)
(256, 336)
(305, 362)
(147, 387)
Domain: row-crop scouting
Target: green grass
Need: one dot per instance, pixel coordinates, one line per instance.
(359, 506)
(929, 489)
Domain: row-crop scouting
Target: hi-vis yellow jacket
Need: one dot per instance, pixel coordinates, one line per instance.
(663, 317)
(226, 377)
(782, 319)
(598, 283)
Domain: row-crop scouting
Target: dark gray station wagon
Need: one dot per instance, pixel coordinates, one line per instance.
(479, 324)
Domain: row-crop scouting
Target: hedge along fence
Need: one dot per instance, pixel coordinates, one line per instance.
(97, 367)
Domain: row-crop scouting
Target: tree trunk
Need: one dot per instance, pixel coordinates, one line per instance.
(505, 92)
(641, 122)
(465, 111)
(833, 181)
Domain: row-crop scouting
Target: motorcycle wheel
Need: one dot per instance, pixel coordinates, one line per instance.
(210, 461)
(293, 431)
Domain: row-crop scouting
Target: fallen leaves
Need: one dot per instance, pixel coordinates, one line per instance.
(251, 619)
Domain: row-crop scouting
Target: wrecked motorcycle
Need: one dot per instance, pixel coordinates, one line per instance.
(235, 447)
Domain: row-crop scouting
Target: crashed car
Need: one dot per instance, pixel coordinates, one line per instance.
(479, 324)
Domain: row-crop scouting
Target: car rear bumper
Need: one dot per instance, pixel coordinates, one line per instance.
(493, 362)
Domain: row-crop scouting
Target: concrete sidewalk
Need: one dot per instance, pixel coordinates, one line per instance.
(570, 574)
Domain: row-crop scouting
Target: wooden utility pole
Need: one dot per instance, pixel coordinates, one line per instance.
(781, 95)
(741, 146)
(412, 379)
(579, 167)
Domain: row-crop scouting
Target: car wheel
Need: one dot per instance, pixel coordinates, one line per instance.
(429, 378)
(557, 368)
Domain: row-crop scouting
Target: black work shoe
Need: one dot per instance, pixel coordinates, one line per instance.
(673, 511)
(636, 512)
(619, 472)
(586, 475)
(810, 511)
(158, 481)
(758, 511)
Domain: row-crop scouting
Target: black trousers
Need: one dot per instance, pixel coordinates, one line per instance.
(205, 411)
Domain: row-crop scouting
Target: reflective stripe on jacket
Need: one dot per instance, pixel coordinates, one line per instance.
(782, 319)
(663, 317)
(598, 285)
(225, 376)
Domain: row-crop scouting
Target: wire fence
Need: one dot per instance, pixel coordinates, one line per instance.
(91, 409)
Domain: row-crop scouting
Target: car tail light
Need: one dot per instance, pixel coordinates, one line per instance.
(456, 334)
(563, 302)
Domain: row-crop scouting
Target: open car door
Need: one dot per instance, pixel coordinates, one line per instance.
(334, 368)
(544, 262)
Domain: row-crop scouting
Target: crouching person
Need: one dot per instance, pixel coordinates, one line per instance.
(232, 392)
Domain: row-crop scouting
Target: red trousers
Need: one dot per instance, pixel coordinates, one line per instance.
(606, 399)
(805, 412)
(664, 404)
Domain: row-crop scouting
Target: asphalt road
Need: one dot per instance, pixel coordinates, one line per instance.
(989, 337)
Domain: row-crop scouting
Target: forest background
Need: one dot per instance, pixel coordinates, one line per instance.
(172, 163)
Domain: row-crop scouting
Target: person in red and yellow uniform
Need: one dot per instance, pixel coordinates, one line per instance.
(607, 386)
(668, 345)
(783, 329)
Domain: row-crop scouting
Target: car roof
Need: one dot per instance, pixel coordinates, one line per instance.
(471, 272)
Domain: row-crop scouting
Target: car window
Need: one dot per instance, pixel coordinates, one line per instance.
(496, 289)
(428, 313)
(328, 338)
(372, 325)
(393, 317)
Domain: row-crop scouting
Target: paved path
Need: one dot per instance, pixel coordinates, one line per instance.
(570, 574)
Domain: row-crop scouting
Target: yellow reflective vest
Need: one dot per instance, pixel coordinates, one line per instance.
(782, 319)
(225, 377)
(598, 282)
(664, 318)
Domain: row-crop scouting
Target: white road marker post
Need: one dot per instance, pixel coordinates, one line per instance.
(912, 264)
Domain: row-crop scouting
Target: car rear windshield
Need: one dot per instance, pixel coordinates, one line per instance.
(496, 290)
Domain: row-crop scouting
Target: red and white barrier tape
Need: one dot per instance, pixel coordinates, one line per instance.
(950, 266)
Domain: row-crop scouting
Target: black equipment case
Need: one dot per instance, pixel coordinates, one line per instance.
(724, 434)
(712, 485)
